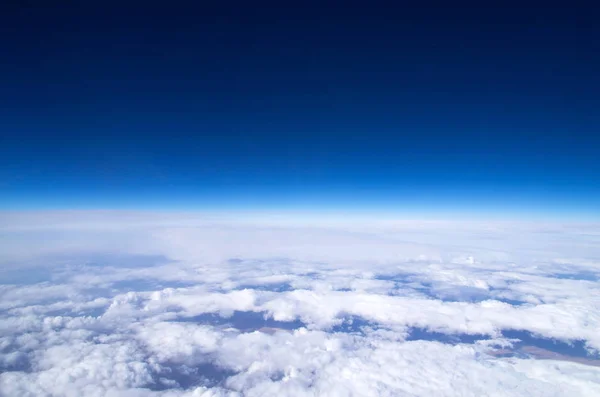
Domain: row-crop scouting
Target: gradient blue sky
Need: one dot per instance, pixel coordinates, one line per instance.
(329, 106)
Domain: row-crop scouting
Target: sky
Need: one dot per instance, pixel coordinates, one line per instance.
(330, 198)
(325, 106)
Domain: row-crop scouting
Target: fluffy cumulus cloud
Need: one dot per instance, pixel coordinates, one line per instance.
(146, 304)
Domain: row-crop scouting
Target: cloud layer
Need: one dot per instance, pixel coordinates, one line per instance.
(113, 304)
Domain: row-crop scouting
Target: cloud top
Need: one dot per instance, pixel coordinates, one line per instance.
(163, 304)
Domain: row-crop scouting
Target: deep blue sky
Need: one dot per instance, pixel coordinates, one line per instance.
(393, 107)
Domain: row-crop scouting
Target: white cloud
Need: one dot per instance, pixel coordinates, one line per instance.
(106, 304)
